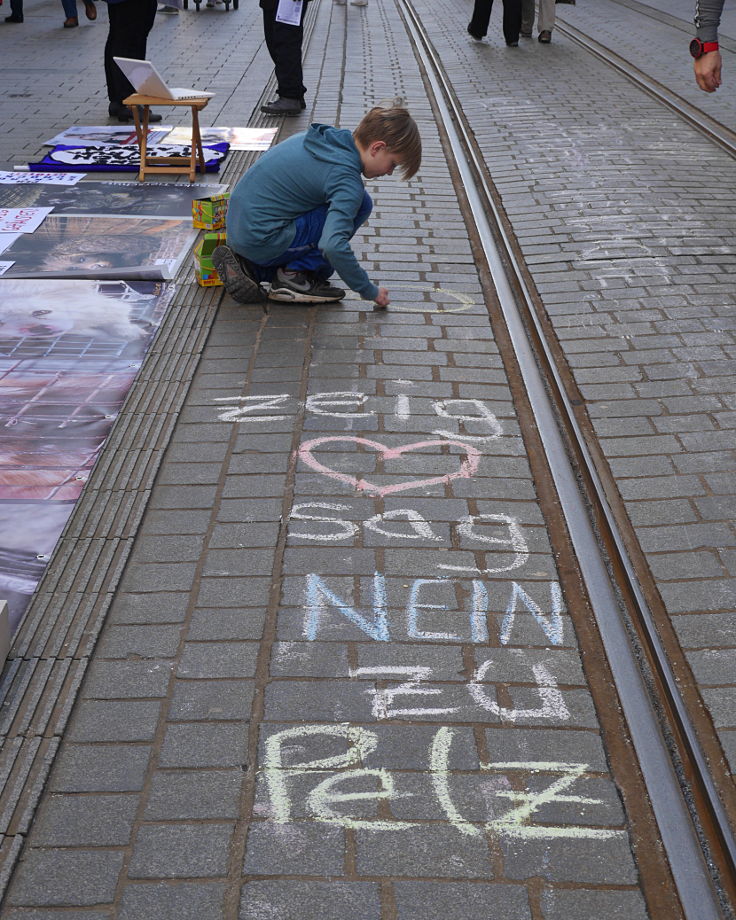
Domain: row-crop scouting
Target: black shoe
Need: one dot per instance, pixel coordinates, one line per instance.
(119, 111)
(13, 18)
(301, 287)
(123, 113)
(235, 276)
(284, 106)
(472, 34)
(512, 44)
(545, 37)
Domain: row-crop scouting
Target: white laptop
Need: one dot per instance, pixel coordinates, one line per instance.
(149, 82)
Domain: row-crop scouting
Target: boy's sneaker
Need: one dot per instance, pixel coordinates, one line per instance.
(235, 276)
(299, 287)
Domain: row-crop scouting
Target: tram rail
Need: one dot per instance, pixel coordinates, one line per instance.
(714, 130)
(688, 801)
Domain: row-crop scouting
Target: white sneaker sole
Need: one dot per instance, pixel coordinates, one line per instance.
(284, 295)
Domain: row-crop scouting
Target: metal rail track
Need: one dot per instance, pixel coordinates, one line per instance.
(692, 821)
(717, 132)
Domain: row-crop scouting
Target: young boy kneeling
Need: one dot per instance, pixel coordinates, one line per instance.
(293, 213)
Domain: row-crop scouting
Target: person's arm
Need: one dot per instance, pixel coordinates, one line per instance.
(708, 66)
(345, 195)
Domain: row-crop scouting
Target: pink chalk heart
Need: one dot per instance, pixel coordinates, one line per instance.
(466, 469)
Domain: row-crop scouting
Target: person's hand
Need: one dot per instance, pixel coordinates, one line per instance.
(382, 300)
(708, 71)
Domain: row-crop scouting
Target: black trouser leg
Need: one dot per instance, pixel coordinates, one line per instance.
(481, 18)
(130, 23)
(284, 43)
(511, 20)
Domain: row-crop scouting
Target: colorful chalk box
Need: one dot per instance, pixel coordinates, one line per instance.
(203, 268)
(208, 213)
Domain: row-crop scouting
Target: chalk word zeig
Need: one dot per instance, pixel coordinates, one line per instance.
(344, 404)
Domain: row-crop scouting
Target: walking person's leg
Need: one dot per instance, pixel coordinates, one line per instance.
(130, 23)
(546, 21)
(16, 11)
(284, 43)
(70, 12)
(511, 21)
(478, 26)
(527, 18)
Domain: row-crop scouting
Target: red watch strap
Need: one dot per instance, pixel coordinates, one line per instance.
(709, 46)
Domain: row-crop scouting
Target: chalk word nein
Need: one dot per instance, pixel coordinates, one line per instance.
(320, 600)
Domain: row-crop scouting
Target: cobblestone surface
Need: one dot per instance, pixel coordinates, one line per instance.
(633, 288)
(341, 675)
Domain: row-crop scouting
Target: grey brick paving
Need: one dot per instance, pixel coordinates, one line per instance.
(296, 900)
(578, 905)
(418, 900)
(201, 901)
(387, 770)
(76, 878)
(180, 851)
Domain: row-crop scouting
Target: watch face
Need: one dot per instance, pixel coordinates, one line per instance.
(696, 48)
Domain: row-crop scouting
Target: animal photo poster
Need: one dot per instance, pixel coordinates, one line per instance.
(110, 199)
(98, 247)
(69, 353)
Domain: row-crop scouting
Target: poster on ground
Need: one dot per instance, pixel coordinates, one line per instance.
(237, 138)
(99, 247)
(118, 158)
(111, 199)
(99, 135)
(22, 177)
(69, 352)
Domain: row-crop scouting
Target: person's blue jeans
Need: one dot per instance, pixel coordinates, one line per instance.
(70, 8)
(304, 254)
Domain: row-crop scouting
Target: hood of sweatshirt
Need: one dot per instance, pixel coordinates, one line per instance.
(333, 145)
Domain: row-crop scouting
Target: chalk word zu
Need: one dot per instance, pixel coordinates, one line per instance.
(321, 603)
(552, 704)
(347, 782)
(344, 404)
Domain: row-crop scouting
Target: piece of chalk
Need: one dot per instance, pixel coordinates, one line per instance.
(22, 168)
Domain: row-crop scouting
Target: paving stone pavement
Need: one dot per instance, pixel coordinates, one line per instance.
(343, 675)
(638, 294)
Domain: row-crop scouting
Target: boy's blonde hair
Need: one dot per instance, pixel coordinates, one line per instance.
(398, 130)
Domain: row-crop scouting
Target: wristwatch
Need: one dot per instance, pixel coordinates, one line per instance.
(699, 48)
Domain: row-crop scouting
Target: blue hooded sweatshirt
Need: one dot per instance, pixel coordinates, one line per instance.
(316, 167)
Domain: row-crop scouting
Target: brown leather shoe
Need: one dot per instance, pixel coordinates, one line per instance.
(71, 23)
(90, 10)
